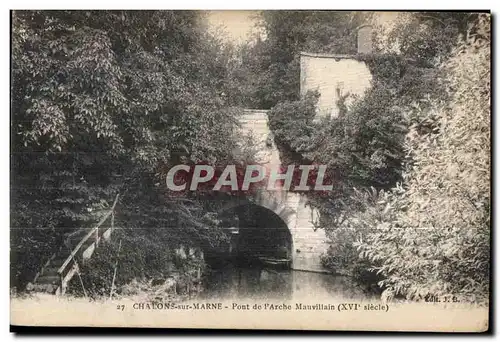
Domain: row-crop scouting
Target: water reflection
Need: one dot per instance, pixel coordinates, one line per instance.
(254, 283)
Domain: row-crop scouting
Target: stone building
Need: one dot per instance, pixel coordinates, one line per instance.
(338, 78)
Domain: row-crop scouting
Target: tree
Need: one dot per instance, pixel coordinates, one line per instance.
(432, 236)
(274, 55)
(382, 140)
(101, 101)
(427, 37)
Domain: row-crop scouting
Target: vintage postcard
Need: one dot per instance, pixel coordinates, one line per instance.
(286, 170)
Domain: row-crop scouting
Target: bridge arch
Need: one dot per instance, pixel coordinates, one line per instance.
(309, 243)
(274, 201)
(306, 244)
(262, 234)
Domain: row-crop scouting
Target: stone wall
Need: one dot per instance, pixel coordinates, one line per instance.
(254, 122)
(307, 243)
(338, 78)
(334, 76)
(365, 39)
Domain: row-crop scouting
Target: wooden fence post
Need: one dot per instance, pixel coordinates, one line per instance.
(65, 275)
(114, 272)
(63, 287)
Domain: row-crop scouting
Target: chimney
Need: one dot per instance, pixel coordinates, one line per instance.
(365, 39)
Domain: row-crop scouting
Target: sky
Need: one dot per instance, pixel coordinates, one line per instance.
(237, 24)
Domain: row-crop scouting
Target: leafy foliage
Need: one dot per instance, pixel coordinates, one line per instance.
(101, 99)
(427, 37)
(270, 64)
(438, 241)
(427, 128)
(136, 256)
(362, 147)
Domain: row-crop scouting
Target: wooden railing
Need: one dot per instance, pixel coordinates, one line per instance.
(47, 263)
(70, 265)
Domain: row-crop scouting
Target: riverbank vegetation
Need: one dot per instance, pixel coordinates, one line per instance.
(410, 211)
(103, 102)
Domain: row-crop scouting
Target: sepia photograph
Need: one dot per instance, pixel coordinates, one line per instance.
(318, 170)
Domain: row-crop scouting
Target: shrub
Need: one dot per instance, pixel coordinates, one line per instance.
(437, 241)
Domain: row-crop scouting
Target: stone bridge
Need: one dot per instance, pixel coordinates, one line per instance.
(334, 77)
(308, 244)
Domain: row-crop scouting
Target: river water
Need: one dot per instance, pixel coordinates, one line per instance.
(232, 283)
